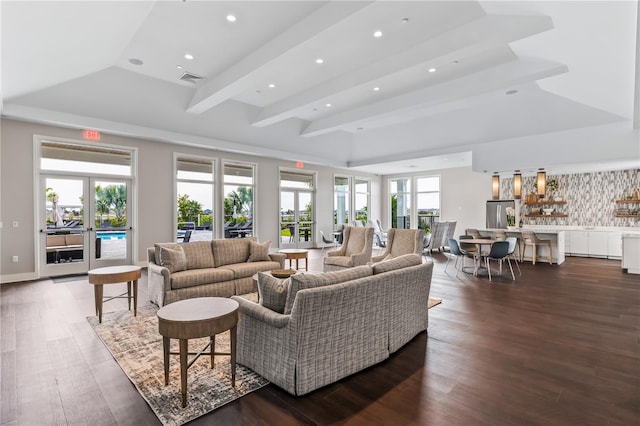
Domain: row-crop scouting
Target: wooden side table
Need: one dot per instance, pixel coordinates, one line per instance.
(195, 318)
(113, 275)
(297, 254)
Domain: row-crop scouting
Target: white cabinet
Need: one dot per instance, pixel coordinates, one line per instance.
(578, 243)
(631, 253)
(598, 243)
(594, 243)
(615, 244)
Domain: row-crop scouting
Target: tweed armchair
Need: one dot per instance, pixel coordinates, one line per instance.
(401, 241)
(355, 250)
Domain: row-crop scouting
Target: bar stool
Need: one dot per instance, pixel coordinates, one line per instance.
(530, 239)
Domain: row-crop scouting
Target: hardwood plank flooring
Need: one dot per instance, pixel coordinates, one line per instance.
(559, 346)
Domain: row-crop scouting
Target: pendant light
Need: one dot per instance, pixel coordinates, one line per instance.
(517, 185)
(495, 187)
(541, 183)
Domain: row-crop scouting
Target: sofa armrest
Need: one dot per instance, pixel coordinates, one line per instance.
(278, 257)
(261, 313)
(159, 281)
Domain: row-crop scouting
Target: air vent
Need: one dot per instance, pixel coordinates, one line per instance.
(191, 78)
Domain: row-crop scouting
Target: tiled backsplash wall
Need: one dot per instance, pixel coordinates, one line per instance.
(590, 198)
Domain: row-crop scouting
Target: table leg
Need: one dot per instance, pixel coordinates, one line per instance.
(128, 295)
(306, 264)
(297, 265)
(135, 298)
(166, 345)
(213, 350)
(97, 293)
(234, 335)
(184, 351)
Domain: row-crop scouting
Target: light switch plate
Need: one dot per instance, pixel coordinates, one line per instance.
(15, 224)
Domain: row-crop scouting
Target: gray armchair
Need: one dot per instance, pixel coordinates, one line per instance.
(355, 250)
(401, 241)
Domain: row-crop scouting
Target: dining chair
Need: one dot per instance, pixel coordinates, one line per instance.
(529, 238)
(513, 249)
(499, 251)
(454, 249)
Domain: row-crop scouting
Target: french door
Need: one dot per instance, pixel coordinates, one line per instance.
(297, 223)
(84, 223)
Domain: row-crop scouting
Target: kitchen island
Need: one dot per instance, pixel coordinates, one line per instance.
(555, 236)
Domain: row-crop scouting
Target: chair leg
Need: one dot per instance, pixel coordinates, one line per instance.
(534, 247)
(488, 265)
(515, 258)
(513, 277)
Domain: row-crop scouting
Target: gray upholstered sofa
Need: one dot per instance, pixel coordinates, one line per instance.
(219, 268)
(334, 324)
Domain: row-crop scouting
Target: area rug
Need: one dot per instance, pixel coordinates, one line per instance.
(433, 301)
(136, 345)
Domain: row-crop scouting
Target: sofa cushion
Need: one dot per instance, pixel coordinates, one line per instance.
(199, 254)
(173, 260)
(172, 246)
(272, 291)
(259, 252)
(307, 280)
(399, 262)
(195, 277)
(230, 251)
(248, 269)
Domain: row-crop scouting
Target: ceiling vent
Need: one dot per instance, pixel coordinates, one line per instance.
(191, 78)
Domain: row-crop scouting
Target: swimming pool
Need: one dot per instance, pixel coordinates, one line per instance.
(111, 235)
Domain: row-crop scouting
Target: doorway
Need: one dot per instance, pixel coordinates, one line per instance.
(297, 210)
(84, 223)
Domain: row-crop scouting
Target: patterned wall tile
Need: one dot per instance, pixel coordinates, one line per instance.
(590, 197)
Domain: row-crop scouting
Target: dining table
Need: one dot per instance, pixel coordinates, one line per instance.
(479, 242)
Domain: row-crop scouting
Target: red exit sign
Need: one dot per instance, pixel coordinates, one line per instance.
(91, 135)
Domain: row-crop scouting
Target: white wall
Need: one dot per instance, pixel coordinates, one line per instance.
(155, 206)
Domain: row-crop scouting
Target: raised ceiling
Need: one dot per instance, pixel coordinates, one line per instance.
(445, 83)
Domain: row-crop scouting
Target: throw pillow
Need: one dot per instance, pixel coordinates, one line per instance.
(272, 292)
(399, 262)
(259, 252)
(173, 259)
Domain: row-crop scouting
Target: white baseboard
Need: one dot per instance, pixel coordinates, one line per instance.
(13, 278)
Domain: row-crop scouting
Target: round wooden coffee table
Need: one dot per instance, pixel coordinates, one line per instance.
(113, 275)
(195, 318)
(297, 254)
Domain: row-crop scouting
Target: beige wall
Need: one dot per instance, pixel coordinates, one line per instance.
(155, 203)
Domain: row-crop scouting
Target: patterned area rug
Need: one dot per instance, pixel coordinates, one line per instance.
(433, 301)
(136, 345)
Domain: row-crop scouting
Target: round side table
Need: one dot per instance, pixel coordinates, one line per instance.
(113, 275)
(192, 319)
(297, 254)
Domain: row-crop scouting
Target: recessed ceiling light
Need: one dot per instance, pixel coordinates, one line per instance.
(511, 92)
(179, 67)
(328, 105)
(231, 18)
(314, 109)
(258, 91)
(432, 70)
(375, 89)
(319, 61)
(377, 34)
(188, 56)
(455, 62)
(405, 20)
(360, 128)
(271, 86)
(135, 61)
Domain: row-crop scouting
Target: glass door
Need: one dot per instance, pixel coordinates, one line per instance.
(83, 224)
(64, 239)
(296, 219)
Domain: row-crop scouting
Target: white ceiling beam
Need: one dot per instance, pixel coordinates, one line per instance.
(500, 77)
(242, 75)
(480, 34)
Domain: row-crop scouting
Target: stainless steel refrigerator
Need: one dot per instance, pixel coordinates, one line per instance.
(497, 213)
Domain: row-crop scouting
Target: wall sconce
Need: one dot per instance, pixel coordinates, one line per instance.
(541, 183)
(495, 187)
(517, 185)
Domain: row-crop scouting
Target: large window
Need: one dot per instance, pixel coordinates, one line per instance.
(423, 192)
(400, 190)
(362, 197)
(239, 187)
(427, 201)
(195, 190)
(341, 200)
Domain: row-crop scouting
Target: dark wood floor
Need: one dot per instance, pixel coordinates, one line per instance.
(559, 346)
